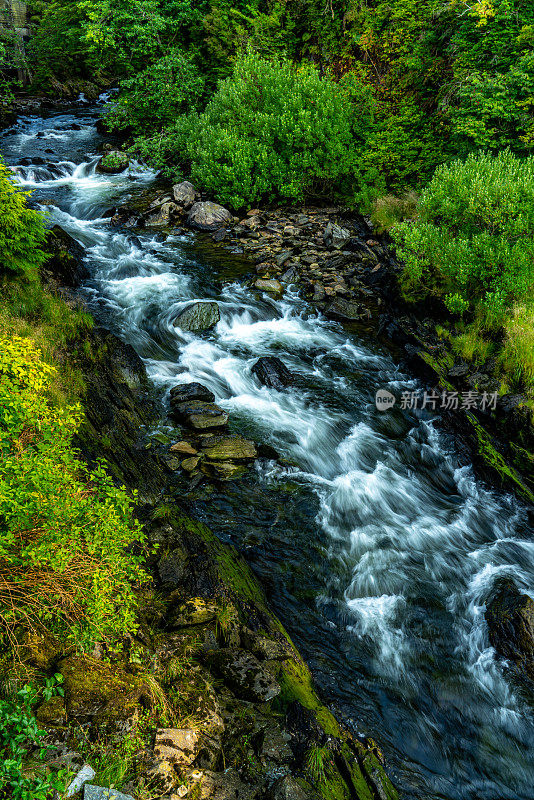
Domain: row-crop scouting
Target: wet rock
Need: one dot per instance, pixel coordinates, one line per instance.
(275, 744)
(229, 448)
(343, 309)
(223, 470)
(290, 275)
(335, 236)
(273, 286)
(178, 746)
(113, 162)
(282, 257)
(183, 448)
(510, 619)
(185, 392)
(208, 216)
(272, 372)
(163, 216)
(245, 675)
(219, 235)
(198, 316)
(190, 464)
(66, 263)
(184, 194)
(200, 415)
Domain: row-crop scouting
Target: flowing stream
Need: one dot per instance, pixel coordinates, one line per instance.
(377, 549)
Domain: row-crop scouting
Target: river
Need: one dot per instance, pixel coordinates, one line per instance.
(377, 549)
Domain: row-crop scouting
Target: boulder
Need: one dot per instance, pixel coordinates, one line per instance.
(113, 162)
(66, 262)
(162, 216)
(335, 236)
(184, 194)
(208, 216)
(229, 448)
(200, 415)
(272, 372)
(343, 309)
(510, 619)
(178, 746)
(245, 675)
(264, 285)
(190, 464)
(198, 316)
(184, 392)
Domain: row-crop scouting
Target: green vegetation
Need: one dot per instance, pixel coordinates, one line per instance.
(19, 734)
(471, 245)
(272, 130)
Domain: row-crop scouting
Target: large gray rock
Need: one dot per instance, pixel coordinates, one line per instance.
(208, 216)
(335, 236)
(184, 194)
(510, 618)
(198, 316)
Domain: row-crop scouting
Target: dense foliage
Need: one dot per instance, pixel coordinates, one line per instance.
(19, 734)
(64, 531)
(471, 244)
(272, 130)
(22, 233)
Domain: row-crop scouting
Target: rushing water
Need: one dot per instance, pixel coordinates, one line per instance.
(382, 552)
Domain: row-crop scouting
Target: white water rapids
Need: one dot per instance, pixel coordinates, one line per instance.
(403, 546)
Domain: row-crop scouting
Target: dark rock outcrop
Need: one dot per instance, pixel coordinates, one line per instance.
(66, 262)
(510, 618)
(272, 372)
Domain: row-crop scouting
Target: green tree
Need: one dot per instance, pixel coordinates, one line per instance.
(22, 233)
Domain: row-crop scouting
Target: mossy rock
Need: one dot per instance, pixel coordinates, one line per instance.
(113, 162)
(99, 692)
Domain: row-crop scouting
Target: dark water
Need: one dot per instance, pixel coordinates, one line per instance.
(376, 549)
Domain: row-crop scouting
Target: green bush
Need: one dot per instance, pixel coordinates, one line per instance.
(272, 130)
(154, 97)
(472, 242)
(22, 233)
(65, 533)
(20, 734)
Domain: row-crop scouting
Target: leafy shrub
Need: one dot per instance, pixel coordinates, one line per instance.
(390, 210)
(64, 531)
(154, 97)
(472, 242)
(19, 733)
(273, 130)
(22, 233)
(517, 356)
